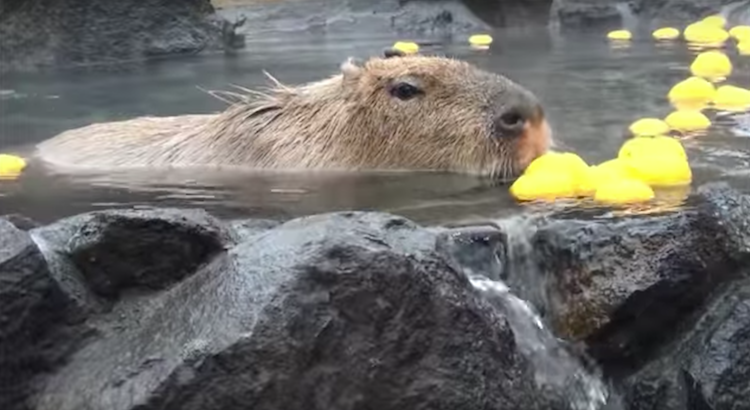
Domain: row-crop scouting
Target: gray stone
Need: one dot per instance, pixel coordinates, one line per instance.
(151, 249)
(338, 311)
(49, 33)
(37, 317)
(623, 285)
(705, 369)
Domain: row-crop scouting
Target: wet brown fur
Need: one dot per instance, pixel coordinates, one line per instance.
(348, 121)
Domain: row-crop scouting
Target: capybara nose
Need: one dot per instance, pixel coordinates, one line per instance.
(510, 123)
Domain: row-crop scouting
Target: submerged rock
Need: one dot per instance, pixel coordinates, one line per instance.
(623, 285)
(39, 33)
(334, 311)
(708, 367)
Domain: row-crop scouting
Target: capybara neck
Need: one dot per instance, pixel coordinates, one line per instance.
(398, 113)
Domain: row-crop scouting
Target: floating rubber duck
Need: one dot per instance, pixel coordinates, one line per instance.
(568, 162)
(692, 93)
(406, 47)
(687, 121)
(731, 98)
(712, 65)
(623, 191)
(716, 21)
(543, 186)
(662, 145)
(705, 34)
(620, 35)
(11, 166)
(613, 169)
(552, 176)
(740, 32)
(666, 33)
(743, 46)
(648, 126)
(656, 161)
(480, 40)
(659, 170)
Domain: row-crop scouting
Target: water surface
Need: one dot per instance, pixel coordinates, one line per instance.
(592, 91)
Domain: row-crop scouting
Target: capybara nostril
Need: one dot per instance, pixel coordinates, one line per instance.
(511, 123)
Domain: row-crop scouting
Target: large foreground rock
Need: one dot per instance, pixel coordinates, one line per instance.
(624, 285)
(37, 318)
(708, 367)
(44, 33)
(337, 311)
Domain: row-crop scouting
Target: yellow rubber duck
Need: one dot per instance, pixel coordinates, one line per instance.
(552, 176)
(555, 161)
(11, 166)
(712, 65)
(656, 161)
(607, 171)
(705, 34)
(543, 186)
(692, 93)
(620, 35)
(650, 146)
(743, 46)
(740, 32)
(480, 40)
(666, 33)
(687, 121)
(648, 126)
(623, 191)
(406, 47)
(731, 98)
(717, 21)
(659, 170)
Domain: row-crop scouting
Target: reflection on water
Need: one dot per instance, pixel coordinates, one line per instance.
(591, 90)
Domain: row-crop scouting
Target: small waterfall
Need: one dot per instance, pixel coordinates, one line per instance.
(629, 20)
(555, 367)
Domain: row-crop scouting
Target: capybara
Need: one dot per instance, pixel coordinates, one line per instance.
(392, 112)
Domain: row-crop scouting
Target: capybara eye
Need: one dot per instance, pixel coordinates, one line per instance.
(511, 119)
(404, 91)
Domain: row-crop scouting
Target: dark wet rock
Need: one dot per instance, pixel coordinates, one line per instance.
(43, 33)
(623, 285)
(429, 18)
(585, 14)
(148, 249)
(21, 222)
(247, 228)
(336, 311)
(601, 14)
(707, 368)
(36, 317)
(505, 13)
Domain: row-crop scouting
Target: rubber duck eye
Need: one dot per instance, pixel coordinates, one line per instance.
(405, 91)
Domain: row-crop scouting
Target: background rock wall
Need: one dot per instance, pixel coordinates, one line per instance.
(37, 33)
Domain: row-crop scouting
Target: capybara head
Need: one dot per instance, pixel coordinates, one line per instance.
(440, 113)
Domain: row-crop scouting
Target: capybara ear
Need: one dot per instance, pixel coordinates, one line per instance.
(351, 68)
(390, 52)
